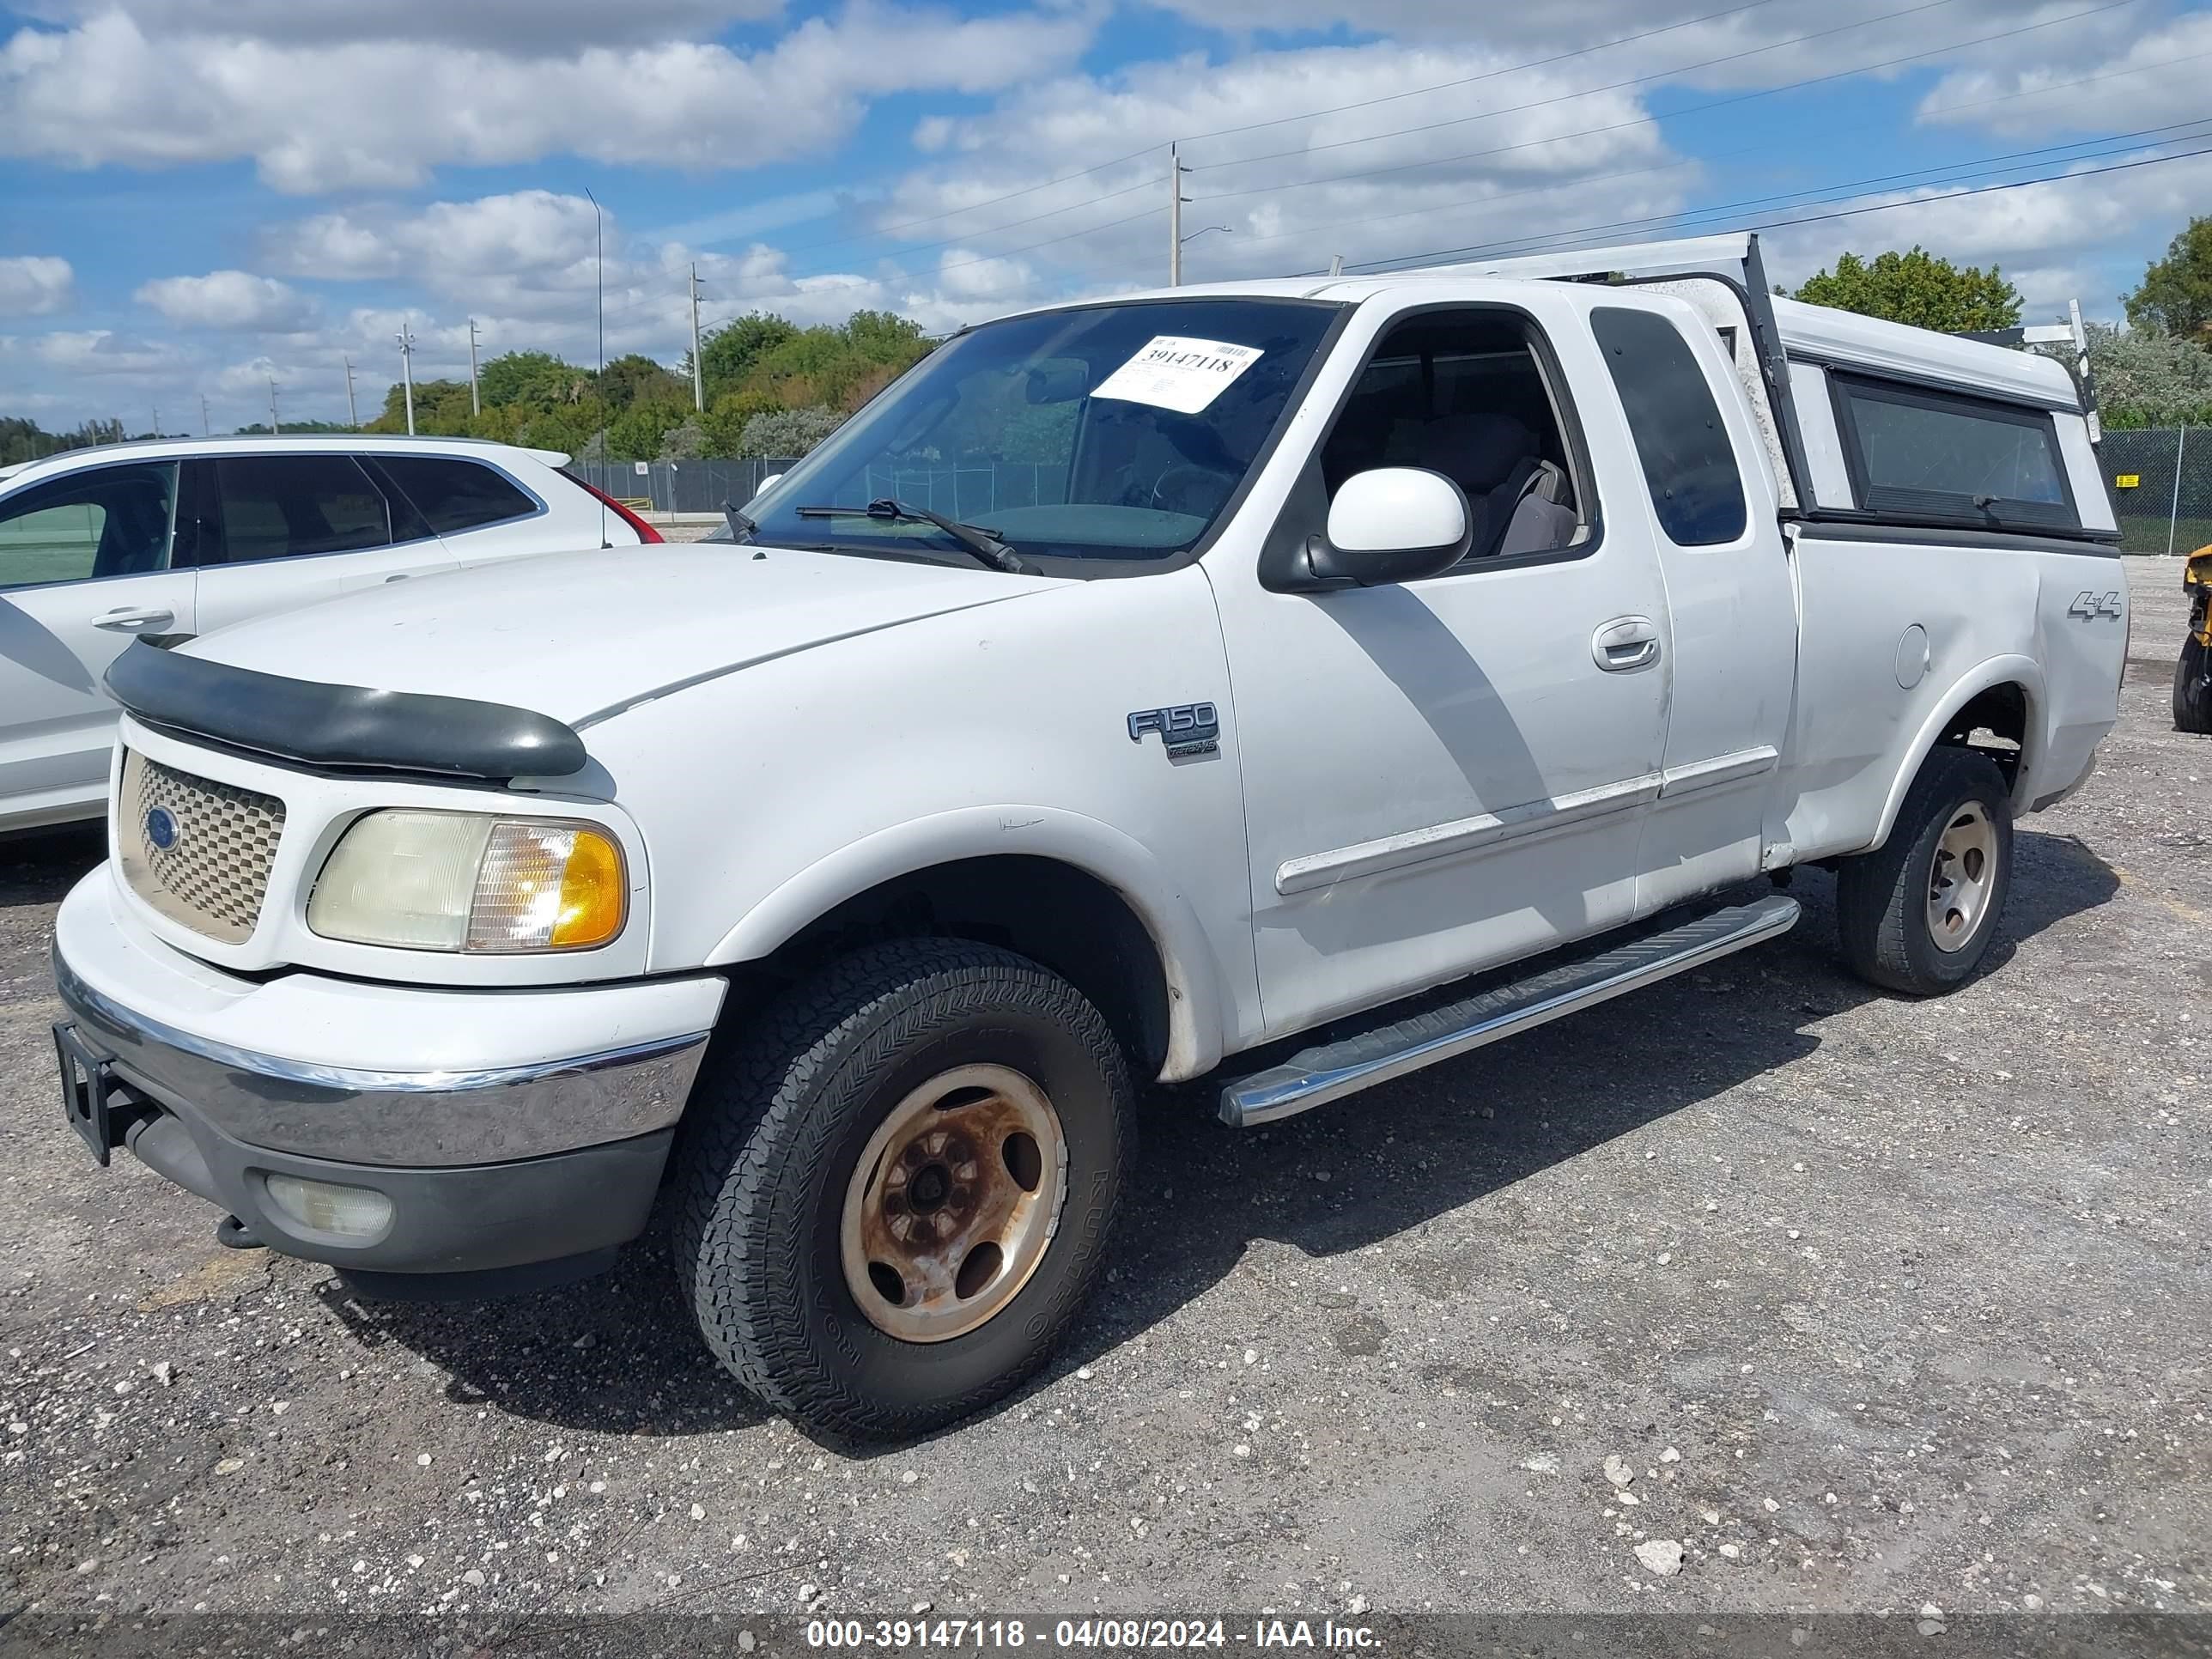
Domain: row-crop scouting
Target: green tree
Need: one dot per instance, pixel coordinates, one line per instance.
(1917, 287)
(636, 433)
(2146, 377)
(787, 432)
(532, 377)
(725, 421)
(2175, 295)
(728, 354)
(635, 378)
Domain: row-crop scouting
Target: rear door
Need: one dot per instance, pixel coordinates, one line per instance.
(88, 563)
(484, 511)
(280, 530)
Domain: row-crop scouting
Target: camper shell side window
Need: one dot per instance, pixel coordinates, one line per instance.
(1928, 453)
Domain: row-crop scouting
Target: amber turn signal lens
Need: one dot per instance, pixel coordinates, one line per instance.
(594, 893)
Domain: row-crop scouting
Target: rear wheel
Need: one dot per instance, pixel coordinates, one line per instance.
(896, 1194)
(1916, 914)
(2193, 687)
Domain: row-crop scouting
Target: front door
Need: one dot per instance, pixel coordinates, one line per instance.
(1449, 774)
(85, 567)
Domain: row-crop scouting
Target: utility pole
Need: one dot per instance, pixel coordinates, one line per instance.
(698, 380)
(204, 418)
(475, 406)
(1174, 214)
(157, 420)
(273, 429)
(353, 419)
(406, 338)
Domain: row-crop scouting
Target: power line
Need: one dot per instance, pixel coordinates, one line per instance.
(1401, 260)
(1683, 218)
(1644, 120)
(1487, 74)
(1591, 92)
(1430, 208)
(1273, 121)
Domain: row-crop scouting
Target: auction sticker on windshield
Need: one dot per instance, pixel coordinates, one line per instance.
(1175, 372)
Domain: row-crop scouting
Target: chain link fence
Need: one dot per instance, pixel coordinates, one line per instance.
(2161, 482)
(683, 486)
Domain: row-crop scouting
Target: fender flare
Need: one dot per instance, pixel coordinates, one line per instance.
(1997, 670)
(1198, 1001)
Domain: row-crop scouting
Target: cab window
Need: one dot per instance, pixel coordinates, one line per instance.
(104, 521)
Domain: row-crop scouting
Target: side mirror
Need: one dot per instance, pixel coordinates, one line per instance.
(767, 484)
(1393, 524)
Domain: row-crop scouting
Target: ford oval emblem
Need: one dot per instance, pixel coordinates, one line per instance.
(162, 828)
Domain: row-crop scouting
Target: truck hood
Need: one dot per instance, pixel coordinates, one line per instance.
(582, 636)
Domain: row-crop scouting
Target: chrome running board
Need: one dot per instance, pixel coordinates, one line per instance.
(1331, 1071)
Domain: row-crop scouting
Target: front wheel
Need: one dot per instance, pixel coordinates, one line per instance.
(1916, 914)
(898, 1191)
(2192, 686)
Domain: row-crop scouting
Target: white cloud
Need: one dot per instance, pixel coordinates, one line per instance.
(34, 284)
(521, 28)
(228, 299)
(1517, 172)
(381, 112)
(2157, 78)
(92, 351)
(2052, 239)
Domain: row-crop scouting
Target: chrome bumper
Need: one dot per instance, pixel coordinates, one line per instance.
(426, 1119)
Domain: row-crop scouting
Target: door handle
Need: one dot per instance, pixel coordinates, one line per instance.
(401, 577)
(130, 619)
(1625, 643)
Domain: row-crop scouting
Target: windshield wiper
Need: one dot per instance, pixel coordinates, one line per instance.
(985, 545)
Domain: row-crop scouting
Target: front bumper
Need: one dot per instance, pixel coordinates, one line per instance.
(504, 1127)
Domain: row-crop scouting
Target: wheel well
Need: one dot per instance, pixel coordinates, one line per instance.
(1060, 917)
(1994, 721)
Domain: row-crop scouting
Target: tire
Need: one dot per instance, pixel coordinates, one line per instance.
(1886, 901)
(771, 1173)
(2193, 687)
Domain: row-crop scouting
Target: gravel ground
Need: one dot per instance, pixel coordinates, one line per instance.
(1863, 1304)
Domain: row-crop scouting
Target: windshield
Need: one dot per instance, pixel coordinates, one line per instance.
(1113, 433)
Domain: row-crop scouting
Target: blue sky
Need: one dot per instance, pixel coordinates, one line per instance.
(199, 196)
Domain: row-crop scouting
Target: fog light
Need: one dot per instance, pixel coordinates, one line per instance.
(348, 1211)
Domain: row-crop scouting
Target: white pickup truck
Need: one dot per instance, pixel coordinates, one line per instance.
(1238, 681)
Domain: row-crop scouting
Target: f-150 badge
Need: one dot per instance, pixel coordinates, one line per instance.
(1188, 728)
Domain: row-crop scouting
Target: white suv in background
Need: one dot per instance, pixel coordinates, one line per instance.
(170, 538)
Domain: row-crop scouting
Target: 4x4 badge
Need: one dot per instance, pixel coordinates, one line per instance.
(2090, 606)
(1187, 728)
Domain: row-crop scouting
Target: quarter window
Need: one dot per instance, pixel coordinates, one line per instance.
(1928, 454)
(284, 506)
(1689, 465)
(454, 495)
(105, 521)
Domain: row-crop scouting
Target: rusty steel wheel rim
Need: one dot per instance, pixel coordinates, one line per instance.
(953, 1202)
(1963, 876)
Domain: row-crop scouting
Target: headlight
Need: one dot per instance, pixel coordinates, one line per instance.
(455, 881)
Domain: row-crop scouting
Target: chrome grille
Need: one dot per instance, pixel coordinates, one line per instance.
(214, 874)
